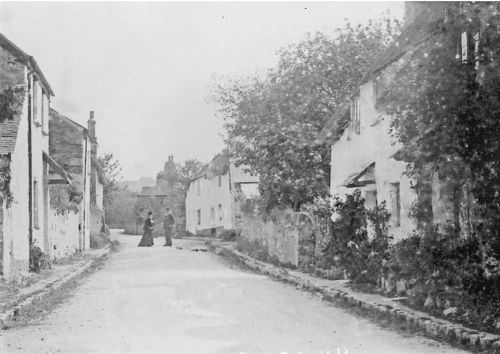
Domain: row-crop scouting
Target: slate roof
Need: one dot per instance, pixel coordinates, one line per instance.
(8, 134)
(83, 129)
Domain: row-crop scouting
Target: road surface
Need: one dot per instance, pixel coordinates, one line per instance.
(170, 300)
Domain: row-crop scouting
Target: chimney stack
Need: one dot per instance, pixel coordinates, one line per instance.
(91, 125)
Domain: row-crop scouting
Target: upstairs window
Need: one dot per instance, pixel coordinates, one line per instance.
(355, 117)
(219, 183)
(198, 217)
(45, 111)
(395, 195)
(34, 100)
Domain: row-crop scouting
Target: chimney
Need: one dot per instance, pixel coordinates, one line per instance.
(429, 9)
(91, 125)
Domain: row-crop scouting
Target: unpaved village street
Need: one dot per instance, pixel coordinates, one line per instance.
(171, 300)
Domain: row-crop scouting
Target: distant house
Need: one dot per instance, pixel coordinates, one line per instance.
(71, 145)
(214, 195)
(26, 166)
(166, 193)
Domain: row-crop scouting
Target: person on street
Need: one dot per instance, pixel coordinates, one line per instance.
(168, 225)
(147, 237)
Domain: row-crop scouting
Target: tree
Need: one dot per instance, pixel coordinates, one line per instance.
(449, 119)
(121, 208)
(446, 107)
(271, 123)
(187, 170)
(109, 170)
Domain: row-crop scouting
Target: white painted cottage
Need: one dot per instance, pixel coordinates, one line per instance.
(25, 163)
(213, 197)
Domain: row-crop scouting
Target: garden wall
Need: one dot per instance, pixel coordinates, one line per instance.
(284, 237)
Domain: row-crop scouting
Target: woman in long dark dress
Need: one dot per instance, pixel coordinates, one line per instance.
(147, 237)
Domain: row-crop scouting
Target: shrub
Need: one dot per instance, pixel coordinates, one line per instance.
(99, 240)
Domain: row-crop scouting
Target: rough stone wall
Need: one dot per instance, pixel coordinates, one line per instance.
(12, 72)
(281, 235)
(65, 146)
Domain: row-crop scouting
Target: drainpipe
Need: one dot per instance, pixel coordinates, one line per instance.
(85, 169)
(30, 176)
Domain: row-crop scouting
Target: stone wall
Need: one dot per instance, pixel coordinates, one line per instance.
(282, 236)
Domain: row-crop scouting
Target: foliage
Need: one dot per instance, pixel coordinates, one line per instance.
(39, 260)
(450, 120)
(271, 123)
(121, 208)
(110, 169)
(5, 190)
(451, 272)
(65, 198)
(362, 255)
(99, 240)
(446, 111)
(187, 170)
(11, 102)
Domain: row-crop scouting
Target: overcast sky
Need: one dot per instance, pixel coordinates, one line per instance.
(146, 68)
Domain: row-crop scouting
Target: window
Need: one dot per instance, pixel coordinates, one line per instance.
(464, 47)
(219, 210)
(34, 99)
(394, 194)
(45, 116)
(198, 216)
(370, 199)
(469, 47)
(220, 180)
(212, 214)
(355, 117)
(36, 219)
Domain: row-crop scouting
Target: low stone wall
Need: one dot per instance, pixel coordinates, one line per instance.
(64, 234)
(282, 236)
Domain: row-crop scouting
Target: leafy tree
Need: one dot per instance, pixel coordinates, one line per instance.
(449, 121)
(271, 123)
(109, 170)
(121, 207)
(187, 170)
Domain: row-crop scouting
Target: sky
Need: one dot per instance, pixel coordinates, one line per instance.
(147, 68)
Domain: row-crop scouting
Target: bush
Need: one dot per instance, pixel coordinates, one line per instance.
(99, 240)
(364, 258)
(450, 271)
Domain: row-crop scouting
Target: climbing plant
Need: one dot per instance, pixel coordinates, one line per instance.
(5, 189)
(10, 102)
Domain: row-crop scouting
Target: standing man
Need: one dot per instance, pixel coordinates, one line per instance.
(168, 225)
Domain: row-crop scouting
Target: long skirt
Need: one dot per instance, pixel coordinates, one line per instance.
(147, 239)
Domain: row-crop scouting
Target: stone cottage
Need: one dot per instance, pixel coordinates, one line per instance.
(71, 145)
(26, 166)
(214, 195)
(364, 154)
(166, 193)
